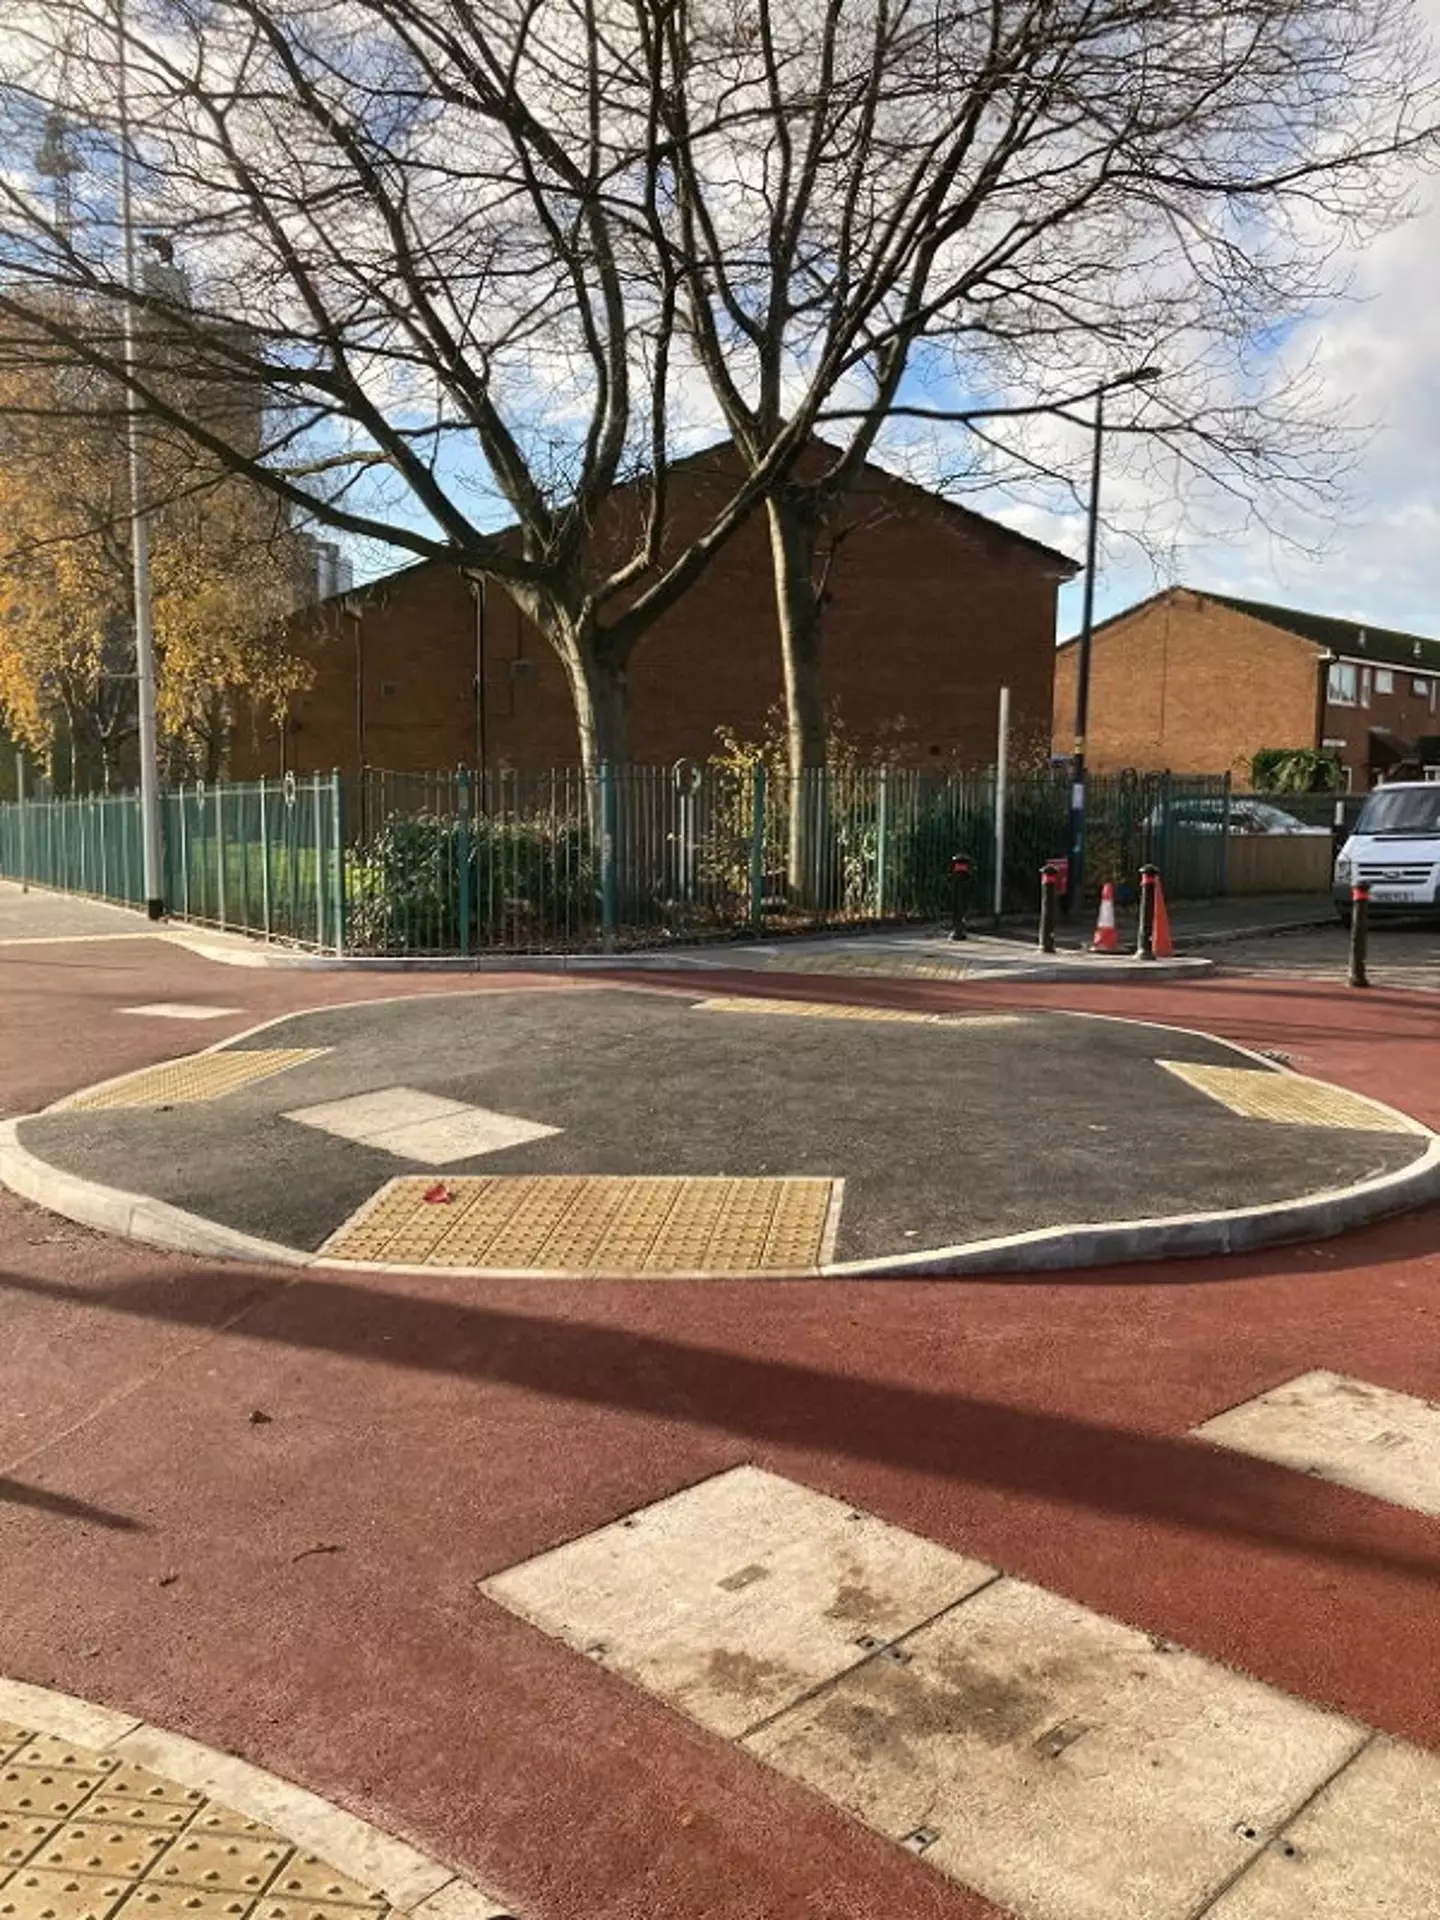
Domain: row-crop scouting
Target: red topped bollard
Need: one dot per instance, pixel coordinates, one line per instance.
(960, 875)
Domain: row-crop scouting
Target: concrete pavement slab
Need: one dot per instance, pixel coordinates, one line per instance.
(735, 1598)
(1369, 1844)
(1063, 1764)
(1350, 1431)
(33, 915)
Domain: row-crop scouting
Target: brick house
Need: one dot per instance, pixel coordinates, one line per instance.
(1198, 682)
(930, 610)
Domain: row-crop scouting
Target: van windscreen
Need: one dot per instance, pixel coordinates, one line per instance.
(1401, 810)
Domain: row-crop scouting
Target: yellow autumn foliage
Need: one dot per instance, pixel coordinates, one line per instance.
(224, 575)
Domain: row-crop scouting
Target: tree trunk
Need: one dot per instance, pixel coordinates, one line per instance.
(793, 533)
(601, 694)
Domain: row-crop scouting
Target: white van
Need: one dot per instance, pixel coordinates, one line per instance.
(1394, 848)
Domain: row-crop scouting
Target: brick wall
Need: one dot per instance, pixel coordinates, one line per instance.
(1184, 684)
(1402, 712)
(929, 613)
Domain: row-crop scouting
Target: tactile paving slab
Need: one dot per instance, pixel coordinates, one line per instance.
(650, 1225)
(1287, 1098)
(86, 1836)
(198, 1077)
(906, 966)
(826, 1010)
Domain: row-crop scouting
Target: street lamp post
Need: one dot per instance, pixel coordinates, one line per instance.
(1141, 376)
(151, 848)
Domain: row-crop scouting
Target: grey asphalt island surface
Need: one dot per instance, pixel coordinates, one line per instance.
(943, 1134)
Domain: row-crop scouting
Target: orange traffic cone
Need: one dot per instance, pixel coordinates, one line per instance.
(1164, 942)
(1106, 939)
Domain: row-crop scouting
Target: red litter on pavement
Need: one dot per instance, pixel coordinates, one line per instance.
(439, 1194)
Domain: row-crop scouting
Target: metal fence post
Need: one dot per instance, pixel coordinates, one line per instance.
(184, 857)
(462, 854)
(320, 860)
(337, 825)
(220, 854)
(264, 860)
(757, 847)
(20, 823)
(882, 841)
(607, 858)
(1225, 840)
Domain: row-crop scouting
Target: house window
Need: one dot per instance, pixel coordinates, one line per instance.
(1365, 686)
(1384, 680)
(1420, 687)
(1340, 687)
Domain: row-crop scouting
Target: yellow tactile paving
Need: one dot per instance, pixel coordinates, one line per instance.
(198, 1077)
(86, 1836)
(827, 1010)
(576, 1223)
(1288, 1099)
(905, 966)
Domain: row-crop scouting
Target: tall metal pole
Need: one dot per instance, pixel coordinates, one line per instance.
(151, 849)
(1074, 891)
(1002, 801)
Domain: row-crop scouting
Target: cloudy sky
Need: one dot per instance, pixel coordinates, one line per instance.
(1379, 356)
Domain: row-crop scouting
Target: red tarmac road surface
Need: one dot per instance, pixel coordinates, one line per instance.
(427, 1435)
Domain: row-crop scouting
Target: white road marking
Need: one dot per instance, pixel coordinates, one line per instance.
(181, 1010)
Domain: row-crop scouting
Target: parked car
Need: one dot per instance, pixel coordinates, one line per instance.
(1245, 815)
(1394, 849)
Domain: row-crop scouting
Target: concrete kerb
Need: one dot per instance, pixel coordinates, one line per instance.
(1318, 1216)
(997, 959)
(411, 1881)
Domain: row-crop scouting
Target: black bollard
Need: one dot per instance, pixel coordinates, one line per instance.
(959, 890)
(1145, 943)
(1049, 901)
(1359, 933)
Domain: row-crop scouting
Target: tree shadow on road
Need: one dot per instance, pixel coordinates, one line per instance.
(777, 1401)
(17, 1493)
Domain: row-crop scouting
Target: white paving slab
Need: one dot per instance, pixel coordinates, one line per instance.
(1060, 1763)
(366, 1114)
(1369, 1845)
(735, 1598)
(1349, 1431)
(420, 1126)
(180, 1010)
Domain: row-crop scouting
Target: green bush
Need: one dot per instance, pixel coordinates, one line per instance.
(516, 883)
(1296, 770)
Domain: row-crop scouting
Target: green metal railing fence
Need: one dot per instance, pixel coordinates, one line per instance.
(266, 857)
(464, 863)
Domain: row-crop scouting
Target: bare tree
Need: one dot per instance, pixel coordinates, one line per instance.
(415, 307)
(488, 261)
(972, 216)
